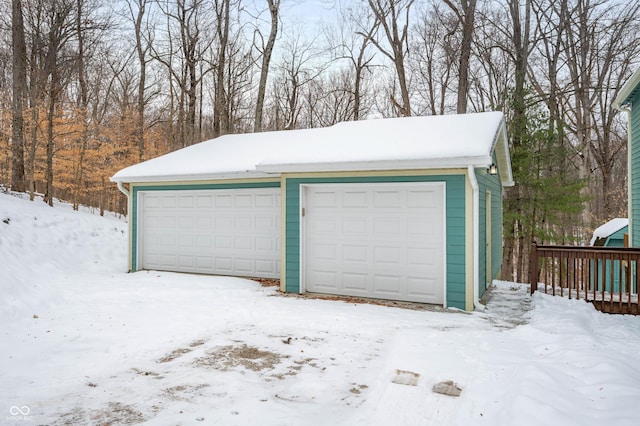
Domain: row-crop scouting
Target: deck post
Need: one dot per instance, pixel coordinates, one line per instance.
(533, 267)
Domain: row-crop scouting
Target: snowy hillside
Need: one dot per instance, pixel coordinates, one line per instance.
(83, 342)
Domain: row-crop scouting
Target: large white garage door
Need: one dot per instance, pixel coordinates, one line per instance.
(375, 240)
(224, 232)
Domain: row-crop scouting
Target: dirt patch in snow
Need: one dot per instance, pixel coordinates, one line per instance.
(232, 356)
(173, 355)
(184, 392)
(116, 413)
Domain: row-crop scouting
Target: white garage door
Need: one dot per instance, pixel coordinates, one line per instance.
(224, 232)
(382, 241)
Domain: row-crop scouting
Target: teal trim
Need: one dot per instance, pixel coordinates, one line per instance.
(455, 232)
(487, 182)
(192, 186)
(634, 169)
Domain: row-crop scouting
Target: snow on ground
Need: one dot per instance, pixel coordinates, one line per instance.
(83, 342)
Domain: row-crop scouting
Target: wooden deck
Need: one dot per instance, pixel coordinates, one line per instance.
(605, 276)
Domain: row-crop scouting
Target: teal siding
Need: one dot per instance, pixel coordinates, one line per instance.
(634, 171)
(486, 182)
(195, 186)
(455, 232)
(617, 238)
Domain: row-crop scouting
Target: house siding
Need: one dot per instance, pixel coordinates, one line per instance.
(455, 226)
(634, 171)
(617, 238)
(487, 182)
(136, 188)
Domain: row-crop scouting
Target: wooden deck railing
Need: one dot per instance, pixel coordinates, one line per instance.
(608, 277)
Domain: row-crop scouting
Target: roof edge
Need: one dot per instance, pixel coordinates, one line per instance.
(501, 148)
(194, 177)
(346, 166)
(627, 90)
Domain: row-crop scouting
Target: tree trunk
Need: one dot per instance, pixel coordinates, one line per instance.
(48, 193)
(387, 16)
(274, 6)
(142, 62)
(469, 9)
(82, 107)
(19, 88)
(220, 103)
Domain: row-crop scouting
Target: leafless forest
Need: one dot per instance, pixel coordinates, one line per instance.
(90, 86)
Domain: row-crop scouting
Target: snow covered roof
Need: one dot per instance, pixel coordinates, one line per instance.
(608, 229)
(444, 141)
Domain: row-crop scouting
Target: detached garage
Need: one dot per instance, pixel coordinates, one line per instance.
(403, 209)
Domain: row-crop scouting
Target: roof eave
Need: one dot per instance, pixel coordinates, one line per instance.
(193, 177)
(346, 166)
(501, 148)
(627, 90)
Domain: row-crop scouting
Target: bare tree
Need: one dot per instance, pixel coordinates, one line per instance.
(602, 41)
(267, 50)
(138, 13)
(393, 17)
(61, 25)
(19, 50)
(300, 65)
(433, 61)
(222, 20)
(350, 41)
(466, 15)
(182, 63)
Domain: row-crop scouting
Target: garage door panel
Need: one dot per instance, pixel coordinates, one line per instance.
(204, 201)
(387, 199)
(204, 223)
(243, 201)
(389, 285)
(168, 203)
(354, 198)
(265, 224)
(325, 199)
(243, 223)
(226, 232)
(354, 226)
(356, 282)
(355, 253)
(326, 251)
(170, 261)
(421, 287)
(389, 255)
(325, 281)
(420, 256)
(223, 223)
(424, 226)
(186, 201)
(265, 244)
(422, 199)
(168, 221)
(384, 226)
(390, 243)
(204, 262)
(265, 267)
(186, 261)
(203, 241)
(186, 241)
